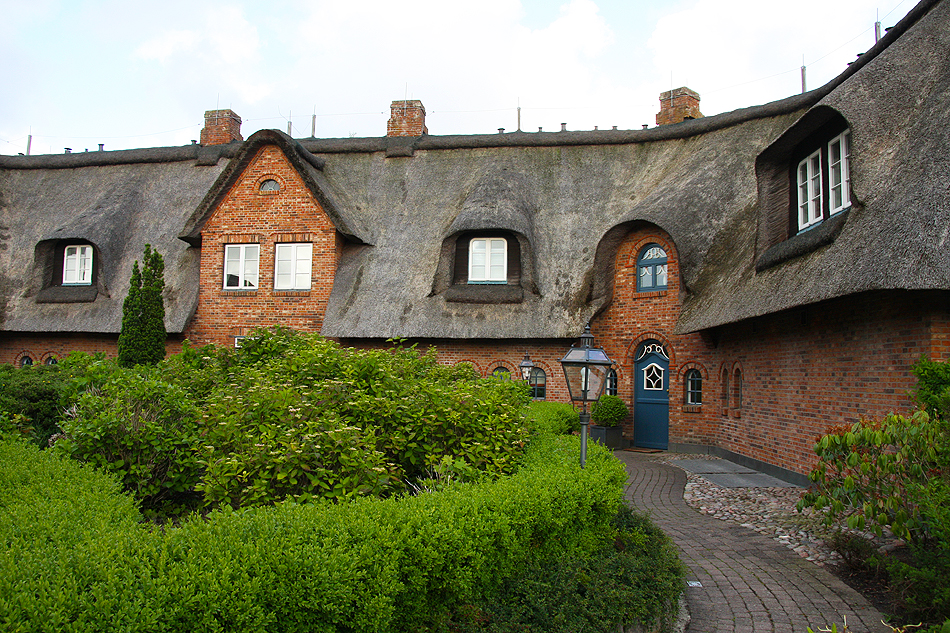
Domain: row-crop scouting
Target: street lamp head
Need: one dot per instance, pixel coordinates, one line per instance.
(585, 369)
(526, 366)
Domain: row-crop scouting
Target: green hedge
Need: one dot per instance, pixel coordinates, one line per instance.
(77, 559)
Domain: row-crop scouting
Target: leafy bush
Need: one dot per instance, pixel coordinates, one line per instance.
(77, 559)
(35, 393)
(636, 578)
(609, 410)
(933, 386)
(75, 556)
(557, 418)
(865, 474)
(268, 441)
(141, 428)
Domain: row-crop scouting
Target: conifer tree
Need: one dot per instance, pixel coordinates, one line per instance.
(142, 339)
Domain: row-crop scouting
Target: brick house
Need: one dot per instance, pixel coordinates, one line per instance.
(757, 276)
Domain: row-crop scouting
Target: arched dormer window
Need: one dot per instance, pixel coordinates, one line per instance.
(651, 268)
(70, 271)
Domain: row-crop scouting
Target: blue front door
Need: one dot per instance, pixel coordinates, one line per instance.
(651, 397)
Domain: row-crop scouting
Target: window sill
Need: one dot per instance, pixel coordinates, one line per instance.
(291, 293)
(68, 294)
(484, 293)
(237, 293)
(810, 239)
(692, 408)
(651, 293)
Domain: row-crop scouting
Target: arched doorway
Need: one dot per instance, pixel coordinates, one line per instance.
(651, 396)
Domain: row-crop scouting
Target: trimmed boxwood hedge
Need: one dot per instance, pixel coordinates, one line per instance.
(76, 556)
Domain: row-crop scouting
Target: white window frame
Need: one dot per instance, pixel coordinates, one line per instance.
(488, 260)
(293, 264)
(77, 265)
(823, 181)
(810, 190)
(244, 262)
(839, 172)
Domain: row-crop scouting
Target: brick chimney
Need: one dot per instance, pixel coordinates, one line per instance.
(221, 127)
(408, 119)
(678, 105)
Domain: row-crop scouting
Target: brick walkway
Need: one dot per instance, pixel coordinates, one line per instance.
(750, 584)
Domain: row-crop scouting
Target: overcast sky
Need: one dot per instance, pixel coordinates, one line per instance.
(127, 74)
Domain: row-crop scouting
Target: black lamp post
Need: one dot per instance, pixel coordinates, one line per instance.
(585, 369)
(526, 366)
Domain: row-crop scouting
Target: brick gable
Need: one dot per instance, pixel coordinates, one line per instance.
(246, 214)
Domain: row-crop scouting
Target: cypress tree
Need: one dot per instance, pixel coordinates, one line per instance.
(142, 339)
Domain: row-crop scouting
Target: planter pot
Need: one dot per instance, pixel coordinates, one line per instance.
(609, 436)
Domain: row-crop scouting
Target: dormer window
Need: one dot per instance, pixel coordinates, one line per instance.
(488, 260)
(823, 181)
(77, 265)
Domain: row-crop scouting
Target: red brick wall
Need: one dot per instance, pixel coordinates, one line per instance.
(806, 370)
(635, 317)
(248, 215)
(41, 346)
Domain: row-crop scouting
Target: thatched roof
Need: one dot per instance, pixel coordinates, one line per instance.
(567, 197)
(116, 206)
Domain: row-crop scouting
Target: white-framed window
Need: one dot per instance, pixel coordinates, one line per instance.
(809, 191)
(839, 172)
(292, 266)
(77, 265)
(241, 263)
(823, 181)
(488, 260)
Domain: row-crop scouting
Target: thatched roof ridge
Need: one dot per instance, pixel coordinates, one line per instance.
(205, 155)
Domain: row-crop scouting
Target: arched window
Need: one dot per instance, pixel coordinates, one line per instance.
(651, 269)
(725, 388)
(611, 388)
(737, 389)
(270, 185)
(501, 372)
(50, 360)
(26, 361)
(538, 382)
(694, 387)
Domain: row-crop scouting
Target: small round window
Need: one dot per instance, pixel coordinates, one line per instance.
(270, 185)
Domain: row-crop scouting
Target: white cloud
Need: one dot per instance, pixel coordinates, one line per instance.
(163, 46)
